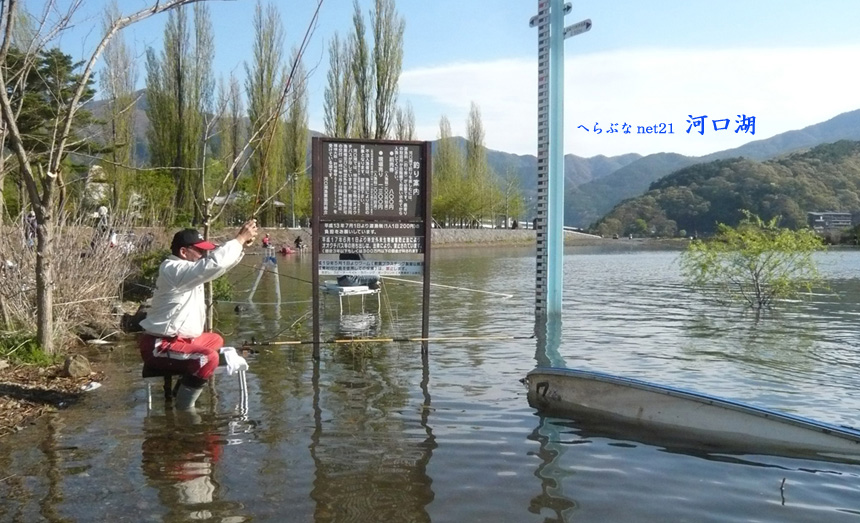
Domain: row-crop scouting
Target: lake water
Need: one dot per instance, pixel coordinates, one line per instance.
(376, 433)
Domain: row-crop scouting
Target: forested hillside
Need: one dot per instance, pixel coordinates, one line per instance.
(590, 201)
(696, 198)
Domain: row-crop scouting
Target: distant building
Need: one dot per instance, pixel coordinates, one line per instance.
(829, 220)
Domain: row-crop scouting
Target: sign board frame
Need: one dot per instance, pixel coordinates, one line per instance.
(370, 197)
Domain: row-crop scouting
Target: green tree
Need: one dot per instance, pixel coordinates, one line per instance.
(42, 174)
(756, 263)
(230, 127)
(339, 92)
(404, 123)
(296, 136)
(479, 186)
(265, 78)
(362, 78)
(447, 175)
(117, 82)
(178, 90)
(388, 30)
(513, 202)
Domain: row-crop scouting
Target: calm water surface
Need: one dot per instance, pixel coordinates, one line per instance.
(373, 433)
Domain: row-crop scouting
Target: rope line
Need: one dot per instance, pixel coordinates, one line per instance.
(253, 342)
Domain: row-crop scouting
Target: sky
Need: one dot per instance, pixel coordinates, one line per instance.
(786, 63)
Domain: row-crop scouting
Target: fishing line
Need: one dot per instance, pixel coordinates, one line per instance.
(275, 273)
(505, 296)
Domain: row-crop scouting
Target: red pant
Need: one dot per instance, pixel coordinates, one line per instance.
(194, 356)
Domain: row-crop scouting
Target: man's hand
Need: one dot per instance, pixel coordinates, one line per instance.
(248, 232)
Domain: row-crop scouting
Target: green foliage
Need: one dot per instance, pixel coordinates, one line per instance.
(756, 263)
(42, 99)
(178, 93)
(139, 284)
(263, 84)
(339, 88)
(222, 289)
(21, 347)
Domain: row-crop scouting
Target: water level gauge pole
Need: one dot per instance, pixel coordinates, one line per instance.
(549, 222)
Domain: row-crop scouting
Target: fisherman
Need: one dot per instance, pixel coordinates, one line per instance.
(173, 338)
(299, 243)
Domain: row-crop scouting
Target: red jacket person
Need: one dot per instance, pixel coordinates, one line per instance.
(173, 337)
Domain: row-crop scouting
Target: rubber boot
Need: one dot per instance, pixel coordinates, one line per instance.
(186, 397)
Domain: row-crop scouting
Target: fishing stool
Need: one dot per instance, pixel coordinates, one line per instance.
(169, 388)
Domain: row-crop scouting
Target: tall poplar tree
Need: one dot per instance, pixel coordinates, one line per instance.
(296, 141)
(265, 77)
(388, 30)
(447, 176)
(362, 77)
(478, 173)
(178, 89)
(404, 123)
(339, 92)
(118, 79)
(230, 127)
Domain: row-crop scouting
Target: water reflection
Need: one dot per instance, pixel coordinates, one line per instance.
(551, 474)
(364, 325)
(180, 455)
(389, 478)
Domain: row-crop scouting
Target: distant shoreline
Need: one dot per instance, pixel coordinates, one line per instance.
(453, 238)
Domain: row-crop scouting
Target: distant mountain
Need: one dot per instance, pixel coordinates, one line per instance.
(595, 185)
(577, 170)
(587, 203)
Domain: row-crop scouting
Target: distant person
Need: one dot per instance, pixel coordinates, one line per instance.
(101, 229)
(351, 280)
(173, 338)
(30, 230)
(514, 224)
(266, 242)
(299, 243)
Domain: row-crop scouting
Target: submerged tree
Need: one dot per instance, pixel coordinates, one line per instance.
(756, 263)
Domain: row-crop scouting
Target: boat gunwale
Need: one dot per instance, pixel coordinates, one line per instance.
(827, 428)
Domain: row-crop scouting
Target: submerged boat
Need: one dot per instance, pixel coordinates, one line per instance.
(706, 419)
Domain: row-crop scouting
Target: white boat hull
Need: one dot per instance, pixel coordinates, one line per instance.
(709, 419)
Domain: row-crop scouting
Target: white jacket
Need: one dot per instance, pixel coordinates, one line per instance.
(179, 303)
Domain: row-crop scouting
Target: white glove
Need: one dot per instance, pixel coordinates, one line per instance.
(233, 360)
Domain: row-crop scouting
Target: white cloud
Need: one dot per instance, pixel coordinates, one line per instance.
(783, 88)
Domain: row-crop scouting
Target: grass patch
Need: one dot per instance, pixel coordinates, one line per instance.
(23, 348)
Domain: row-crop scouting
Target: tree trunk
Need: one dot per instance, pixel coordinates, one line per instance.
(44, 279)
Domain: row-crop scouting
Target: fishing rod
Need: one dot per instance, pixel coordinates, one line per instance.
(255, 343)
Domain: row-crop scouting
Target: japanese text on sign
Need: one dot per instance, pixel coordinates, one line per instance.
(379, 180)
(372, 244)
(370, 268)
(371, 228)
